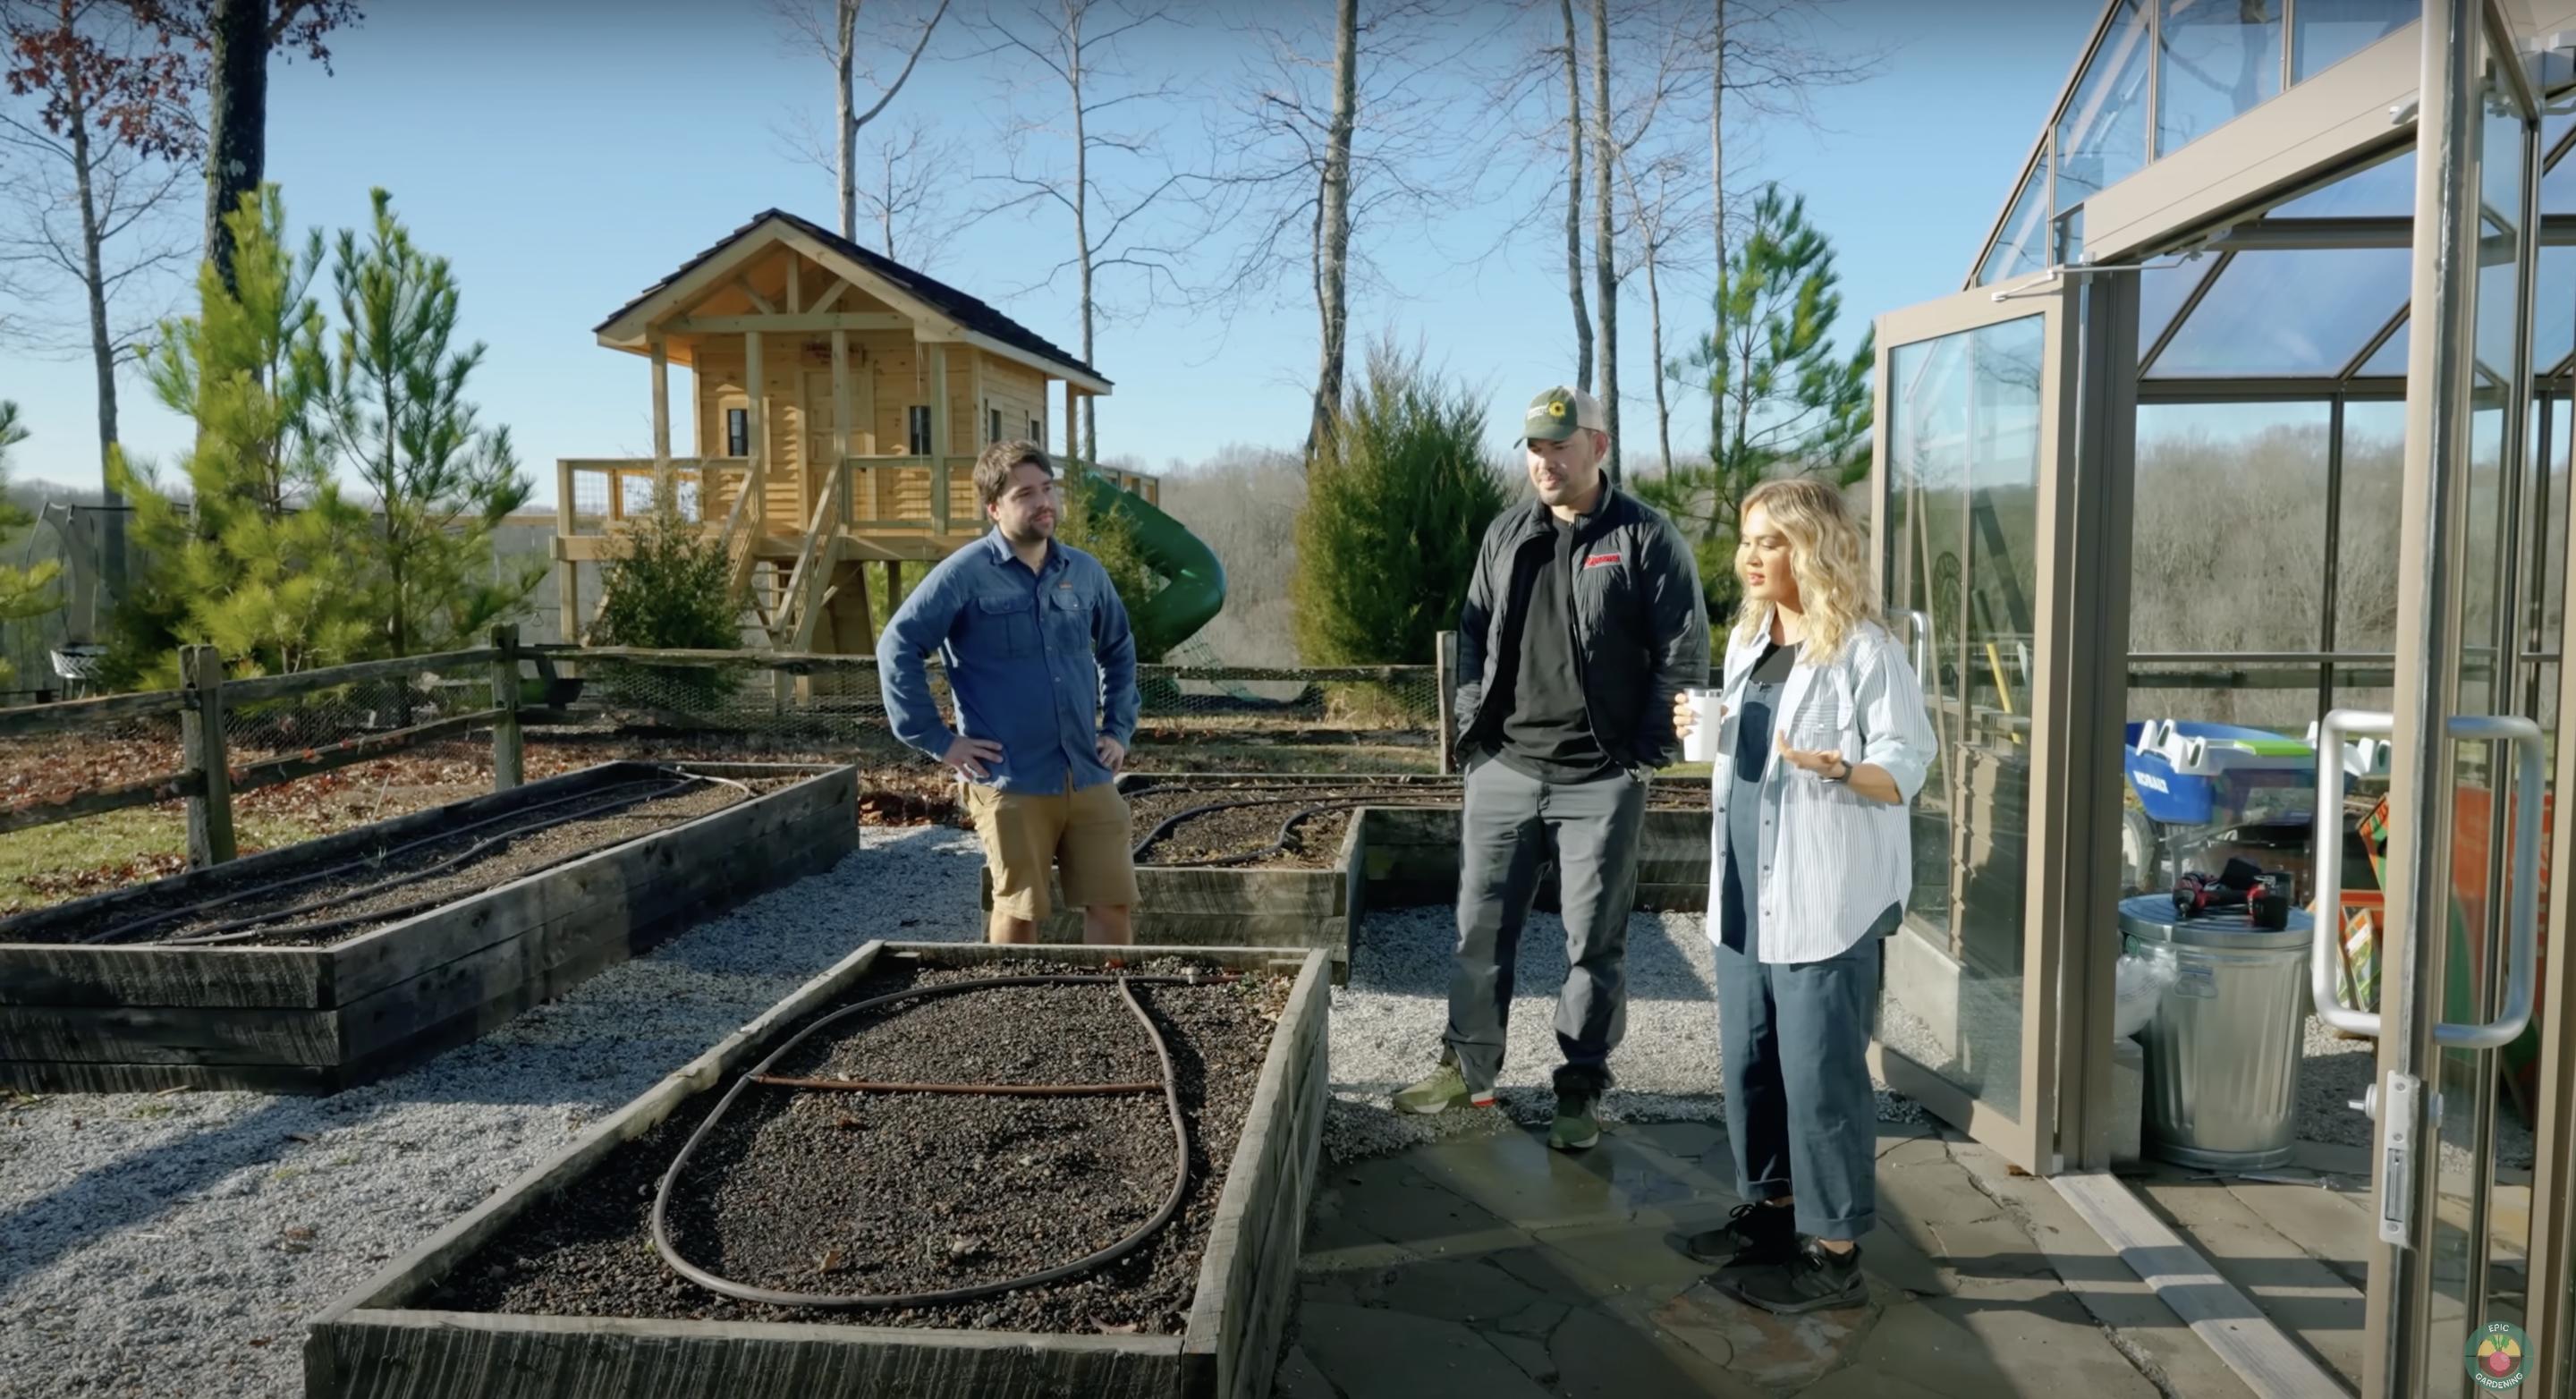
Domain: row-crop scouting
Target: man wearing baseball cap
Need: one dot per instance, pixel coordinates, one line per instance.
(1583, 619)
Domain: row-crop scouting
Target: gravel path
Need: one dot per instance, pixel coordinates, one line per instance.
(173, 1246)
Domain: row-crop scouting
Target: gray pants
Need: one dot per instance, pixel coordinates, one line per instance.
(1800, 1113)
(1513, 821)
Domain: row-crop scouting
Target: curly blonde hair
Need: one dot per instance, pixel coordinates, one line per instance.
(1825, 557)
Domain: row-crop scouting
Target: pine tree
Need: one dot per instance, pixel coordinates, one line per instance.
(1782, 401)
(24, 592)
(401, 422)
(259, 556)
(1398, 496)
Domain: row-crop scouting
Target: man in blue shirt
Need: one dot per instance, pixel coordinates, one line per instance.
(1042, 668)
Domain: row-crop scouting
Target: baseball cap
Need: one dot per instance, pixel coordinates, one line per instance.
(1555, 414)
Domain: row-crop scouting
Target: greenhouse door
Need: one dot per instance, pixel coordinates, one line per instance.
(1974, 426)
(2468, 1282)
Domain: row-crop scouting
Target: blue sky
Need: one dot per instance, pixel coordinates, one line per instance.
(564, 163)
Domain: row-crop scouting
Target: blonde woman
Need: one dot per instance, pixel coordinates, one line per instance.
(1821, 742)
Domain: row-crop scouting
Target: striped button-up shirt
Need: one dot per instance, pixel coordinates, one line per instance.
(1839, 860)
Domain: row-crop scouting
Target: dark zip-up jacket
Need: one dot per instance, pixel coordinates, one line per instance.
(1640, 624)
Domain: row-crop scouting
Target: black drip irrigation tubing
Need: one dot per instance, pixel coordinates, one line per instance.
(144, 925)
(245, 929)
(744, 1292)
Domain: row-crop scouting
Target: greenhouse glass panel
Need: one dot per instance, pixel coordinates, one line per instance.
(2019, 251)
(2287, 313)
(2326, 32)
(2505, 161)
(2103, 137)
(2198, 588)
(2374, 468)
(2382, 191)
(2219, 60)
(2162, 291)
(2389, 360)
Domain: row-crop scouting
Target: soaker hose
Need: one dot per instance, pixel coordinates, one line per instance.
(759, 1075)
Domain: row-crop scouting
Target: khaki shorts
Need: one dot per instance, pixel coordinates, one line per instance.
(1083, 830)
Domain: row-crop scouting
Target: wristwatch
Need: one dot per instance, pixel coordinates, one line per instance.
(1842, 770)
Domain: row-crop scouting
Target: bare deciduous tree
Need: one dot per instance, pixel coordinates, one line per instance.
(97, 149)
(237, 37)
(1114, 176)
(835, 31)
(1663, 214)
(1605, 232)
(1337, 138)
(1574, 199)
(909, 193)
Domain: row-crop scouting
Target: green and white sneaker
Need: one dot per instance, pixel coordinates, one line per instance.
(1446, 1088)
(1575, 1128)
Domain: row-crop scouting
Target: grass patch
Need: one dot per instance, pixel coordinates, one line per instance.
(69, 860)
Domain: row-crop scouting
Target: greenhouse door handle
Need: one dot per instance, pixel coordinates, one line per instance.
(1918, 647)
(2522, 955)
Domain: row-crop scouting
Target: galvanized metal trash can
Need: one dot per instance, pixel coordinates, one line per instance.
(2225, 1048)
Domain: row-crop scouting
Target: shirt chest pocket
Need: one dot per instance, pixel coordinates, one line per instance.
(1068, 620)
(1005, 626)
(1826, 718)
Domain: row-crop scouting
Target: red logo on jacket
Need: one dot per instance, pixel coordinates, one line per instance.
(1599, 560)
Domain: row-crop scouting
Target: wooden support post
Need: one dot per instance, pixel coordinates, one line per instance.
(758, 391)
(1072, 433)
(201, 734)
(893, 587)
(845, 425)
(661, 350)
(508, 757)
(1445, 660)
(567, 570)
(942, 431)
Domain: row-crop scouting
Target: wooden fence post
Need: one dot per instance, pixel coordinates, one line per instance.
(1446, 670)
(201, 735)
(508, 756)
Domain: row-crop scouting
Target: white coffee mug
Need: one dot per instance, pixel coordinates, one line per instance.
(1700, 744)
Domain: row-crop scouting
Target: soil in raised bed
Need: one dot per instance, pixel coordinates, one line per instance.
(343, 905)
(888, 1194)
(1251, 836)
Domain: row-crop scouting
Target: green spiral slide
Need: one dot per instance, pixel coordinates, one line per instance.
(1193, 591)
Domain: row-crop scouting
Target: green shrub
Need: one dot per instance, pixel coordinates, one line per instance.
(667, 587)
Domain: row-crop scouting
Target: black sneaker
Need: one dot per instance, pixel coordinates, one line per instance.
(1811, 1280)
(1753, 1236)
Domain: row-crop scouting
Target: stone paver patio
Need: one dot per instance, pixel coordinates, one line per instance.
(1491, 1267)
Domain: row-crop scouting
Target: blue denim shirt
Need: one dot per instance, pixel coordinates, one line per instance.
(1041, 663)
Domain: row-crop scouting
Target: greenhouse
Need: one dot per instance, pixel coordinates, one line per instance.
(2226, 508)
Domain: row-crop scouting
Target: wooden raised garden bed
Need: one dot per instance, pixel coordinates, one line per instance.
(557, 1288)
(338, 961)
(1396, 845)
